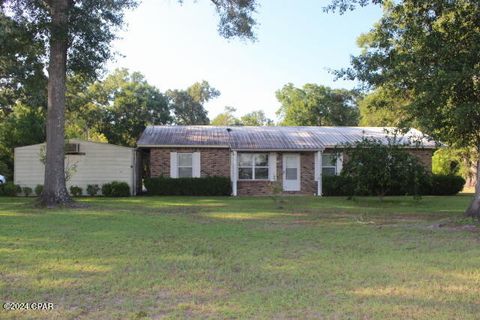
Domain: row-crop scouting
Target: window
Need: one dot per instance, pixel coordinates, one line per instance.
(253, 166)
(329, 164)
(185, 165)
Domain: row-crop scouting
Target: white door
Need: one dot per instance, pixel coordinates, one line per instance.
(291, 172)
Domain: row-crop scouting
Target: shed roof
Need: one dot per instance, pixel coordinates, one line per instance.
(271, 137)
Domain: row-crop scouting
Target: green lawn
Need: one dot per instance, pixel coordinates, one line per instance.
(179, 257)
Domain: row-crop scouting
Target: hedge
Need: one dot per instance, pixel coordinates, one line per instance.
(10, 189)
(208, 186)
(445, 185)
(116, 189)
(434, 184)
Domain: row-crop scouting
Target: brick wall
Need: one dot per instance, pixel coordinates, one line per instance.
(213, 161)
(216, 162)
(425, 157)
(308, 185)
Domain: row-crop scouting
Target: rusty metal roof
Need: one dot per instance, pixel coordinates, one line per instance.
(271, 138)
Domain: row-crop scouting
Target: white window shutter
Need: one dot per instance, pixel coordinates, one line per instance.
(196, 172)
(316, 167)
(339, 163)
(173, 165)
(272, 166)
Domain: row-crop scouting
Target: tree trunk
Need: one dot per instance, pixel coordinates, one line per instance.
(474, 207)
(55, 190)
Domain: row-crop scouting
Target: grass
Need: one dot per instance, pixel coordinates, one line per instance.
(244, 258)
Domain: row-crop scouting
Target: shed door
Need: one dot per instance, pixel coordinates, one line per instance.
(291, 172)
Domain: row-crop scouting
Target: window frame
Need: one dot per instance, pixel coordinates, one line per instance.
(179, 166)
(334, 166)
(253, 166)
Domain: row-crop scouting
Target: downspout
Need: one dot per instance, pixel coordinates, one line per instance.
(233, 172)
(319, 170)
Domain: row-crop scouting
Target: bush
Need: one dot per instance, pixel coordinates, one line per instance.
(445, 185)
(10, 189)
(380, 169)
(208, 186)
(27, 191)
(39, 190)
(92, 189)
(76, 191)
(337, 186)
(435, 184)
(116, 189)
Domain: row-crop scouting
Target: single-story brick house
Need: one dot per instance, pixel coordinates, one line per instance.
(257, 158)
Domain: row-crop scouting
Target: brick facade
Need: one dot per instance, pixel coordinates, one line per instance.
(213, 161)
(216, 162)
(425, 157)
(308, 185)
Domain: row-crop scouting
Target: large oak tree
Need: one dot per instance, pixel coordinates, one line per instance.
(75, 36)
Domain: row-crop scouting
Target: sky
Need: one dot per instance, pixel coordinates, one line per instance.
(175, 45)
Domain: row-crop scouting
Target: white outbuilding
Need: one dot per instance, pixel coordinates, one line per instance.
(88, 163)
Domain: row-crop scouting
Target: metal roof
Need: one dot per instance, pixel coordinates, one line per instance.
(272, 137)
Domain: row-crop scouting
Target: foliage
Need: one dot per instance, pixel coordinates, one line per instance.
(343, 6)
(9, 189)
(38, 190)
(256, 118)
(208, 186)
(91, 28)
(432, 184)
(226, 118)
(236, 18)
(116, 189)
(21, 67)
(443, 185)
(93, 189)
(337, 186)
(378, 168)
(129, 104)
(457, 161)
(27, 191)
(188, 105)
(22, 126)
(382, 109)
(316, 105)
(76, 191)
(429, 52)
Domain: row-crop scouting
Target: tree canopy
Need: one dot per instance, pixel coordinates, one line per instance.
(316, 105)
(428, 54)
(65, 37)
(188, 105)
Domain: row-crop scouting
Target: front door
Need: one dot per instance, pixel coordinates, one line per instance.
(291, 172)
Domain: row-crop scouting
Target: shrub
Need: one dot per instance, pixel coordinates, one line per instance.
(76, 191)
(39, 190)
(443, 185)
(116, 189)
(379, 168)
(337, 186)
(92, 189)
(208, 186)
(435, 184)
(27, 191)
(10, 189)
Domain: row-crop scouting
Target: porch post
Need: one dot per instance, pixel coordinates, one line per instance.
(234, 174)
(319, 170)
